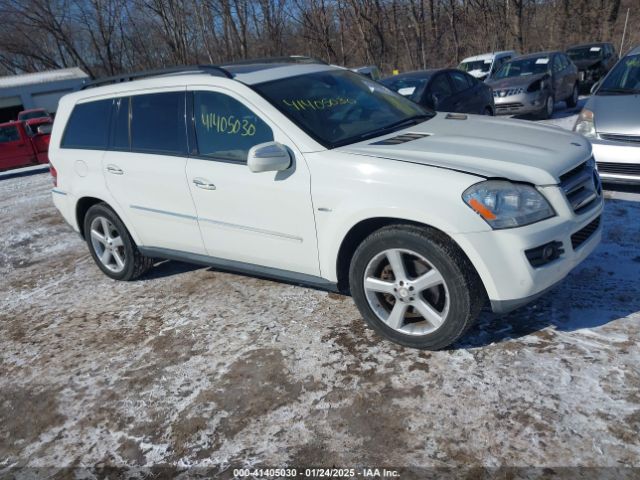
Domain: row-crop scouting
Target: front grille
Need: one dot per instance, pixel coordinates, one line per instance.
(508, 107)
(619, 168)
(583, 235)
(618, 137)
(581, 186)
(508, 92)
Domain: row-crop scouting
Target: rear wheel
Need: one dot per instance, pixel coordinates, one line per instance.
(111, 246)
(415, 287)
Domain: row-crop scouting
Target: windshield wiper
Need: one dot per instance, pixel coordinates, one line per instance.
(407, 122)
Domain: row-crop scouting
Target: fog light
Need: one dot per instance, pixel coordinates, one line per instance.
(544, 254)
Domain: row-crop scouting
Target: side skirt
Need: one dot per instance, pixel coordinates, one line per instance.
(249, 269)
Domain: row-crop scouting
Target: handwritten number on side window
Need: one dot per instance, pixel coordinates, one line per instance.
(228, 124)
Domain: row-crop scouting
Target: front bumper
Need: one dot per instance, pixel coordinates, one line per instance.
(499, 255)
(618, 162)
(520, 103)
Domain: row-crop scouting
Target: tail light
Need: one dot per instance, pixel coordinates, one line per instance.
(54, 174)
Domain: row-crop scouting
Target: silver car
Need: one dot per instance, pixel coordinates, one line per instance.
(533, 83)
(611, 121)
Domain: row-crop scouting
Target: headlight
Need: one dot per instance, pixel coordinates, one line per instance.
(503, 204)
(586, 124)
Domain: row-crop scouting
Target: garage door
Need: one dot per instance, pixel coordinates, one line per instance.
(9, 108)
(49, 100)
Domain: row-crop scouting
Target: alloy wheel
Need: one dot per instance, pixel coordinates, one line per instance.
(406, 291)
(107, 244)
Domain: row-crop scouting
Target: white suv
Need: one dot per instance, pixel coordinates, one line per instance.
(315, 175)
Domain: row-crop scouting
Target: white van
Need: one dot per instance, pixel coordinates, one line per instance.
(319, 176)
(485, 65)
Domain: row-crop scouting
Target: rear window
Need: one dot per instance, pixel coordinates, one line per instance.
(158, 123)
(9, 134)
(88, 126)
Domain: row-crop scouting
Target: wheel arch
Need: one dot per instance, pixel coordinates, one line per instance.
(361, 230)
(86, 202)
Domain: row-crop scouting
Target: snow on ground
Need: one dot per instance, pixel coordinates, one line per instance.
(192, 367)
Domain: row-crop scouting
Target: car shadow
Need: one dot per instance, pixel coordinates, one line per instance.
(559, 112)
(602, 289)
(168, 268)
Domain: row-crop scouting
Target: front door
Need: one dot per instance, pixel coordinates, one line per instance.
(145, 170)
(262, 218)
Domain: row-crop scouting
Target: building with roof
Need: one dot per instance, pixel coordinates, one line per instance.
(37, 90)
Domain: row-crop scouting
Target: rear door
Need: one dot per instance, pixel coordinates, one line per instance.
(15, 147)
(441, 90)
(145, 169)
(464, 100)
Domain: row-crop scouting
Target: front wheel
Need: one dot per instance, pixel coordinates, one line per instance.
(572, 101)
(547, 110)
(111, 246)
(415, 287)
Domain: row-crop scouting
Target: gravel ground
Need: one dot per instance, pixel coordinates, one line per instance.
(192, 367)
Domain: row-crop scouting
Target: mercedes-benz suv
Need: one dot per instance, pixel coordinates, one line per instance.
(316, 175)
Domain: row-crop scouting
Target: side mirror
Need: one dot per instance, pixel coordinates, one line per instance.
(268, 157)
(595, 86)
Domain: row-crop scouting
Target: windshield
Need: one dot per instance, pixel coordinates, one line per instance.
(338, 107)
(624, 78)
(585, 53)
(524, 67)
(410, 87)
(30, 115)
(481, 65)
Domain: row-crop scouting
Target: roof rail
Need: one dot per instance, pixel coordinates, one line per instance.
(289, 59)
(128, 77)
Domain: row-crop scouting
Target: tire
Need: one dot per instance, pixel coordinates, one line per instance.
(121, 259)
(488, 112)
(547, 110)
(572, 101)
(452, 300)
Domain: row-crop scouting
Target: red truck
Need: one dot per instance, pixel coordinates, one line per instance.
(21, 146)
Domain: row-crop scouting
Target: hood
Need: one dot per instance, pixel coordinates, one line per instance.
(585, 64)
(485, 146)
(616, 113)
(514, 82)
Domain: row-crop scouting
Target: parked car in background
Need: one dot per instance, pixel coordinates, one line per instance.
(593, 60)
(611, 121)
(34, 113)
(370, 71)
(19, 147)
(533, 83)
(316, 175)
(38, 125)
(445, 90)
(483, 66)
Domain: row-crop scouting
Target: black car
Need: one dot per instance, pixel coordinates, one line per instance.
(593, 60)
(444, 90)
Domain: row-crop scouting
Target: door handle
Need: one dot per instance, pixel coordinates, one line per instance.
(204, 184)
(115, 170)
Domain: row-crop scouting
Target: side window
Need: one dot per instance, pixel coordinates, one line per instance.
(158, 123)
(460, 81)
(9, 134)
(88, 126)
(225, 128)
(440, 86)
(120, 138)
(557, 63)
